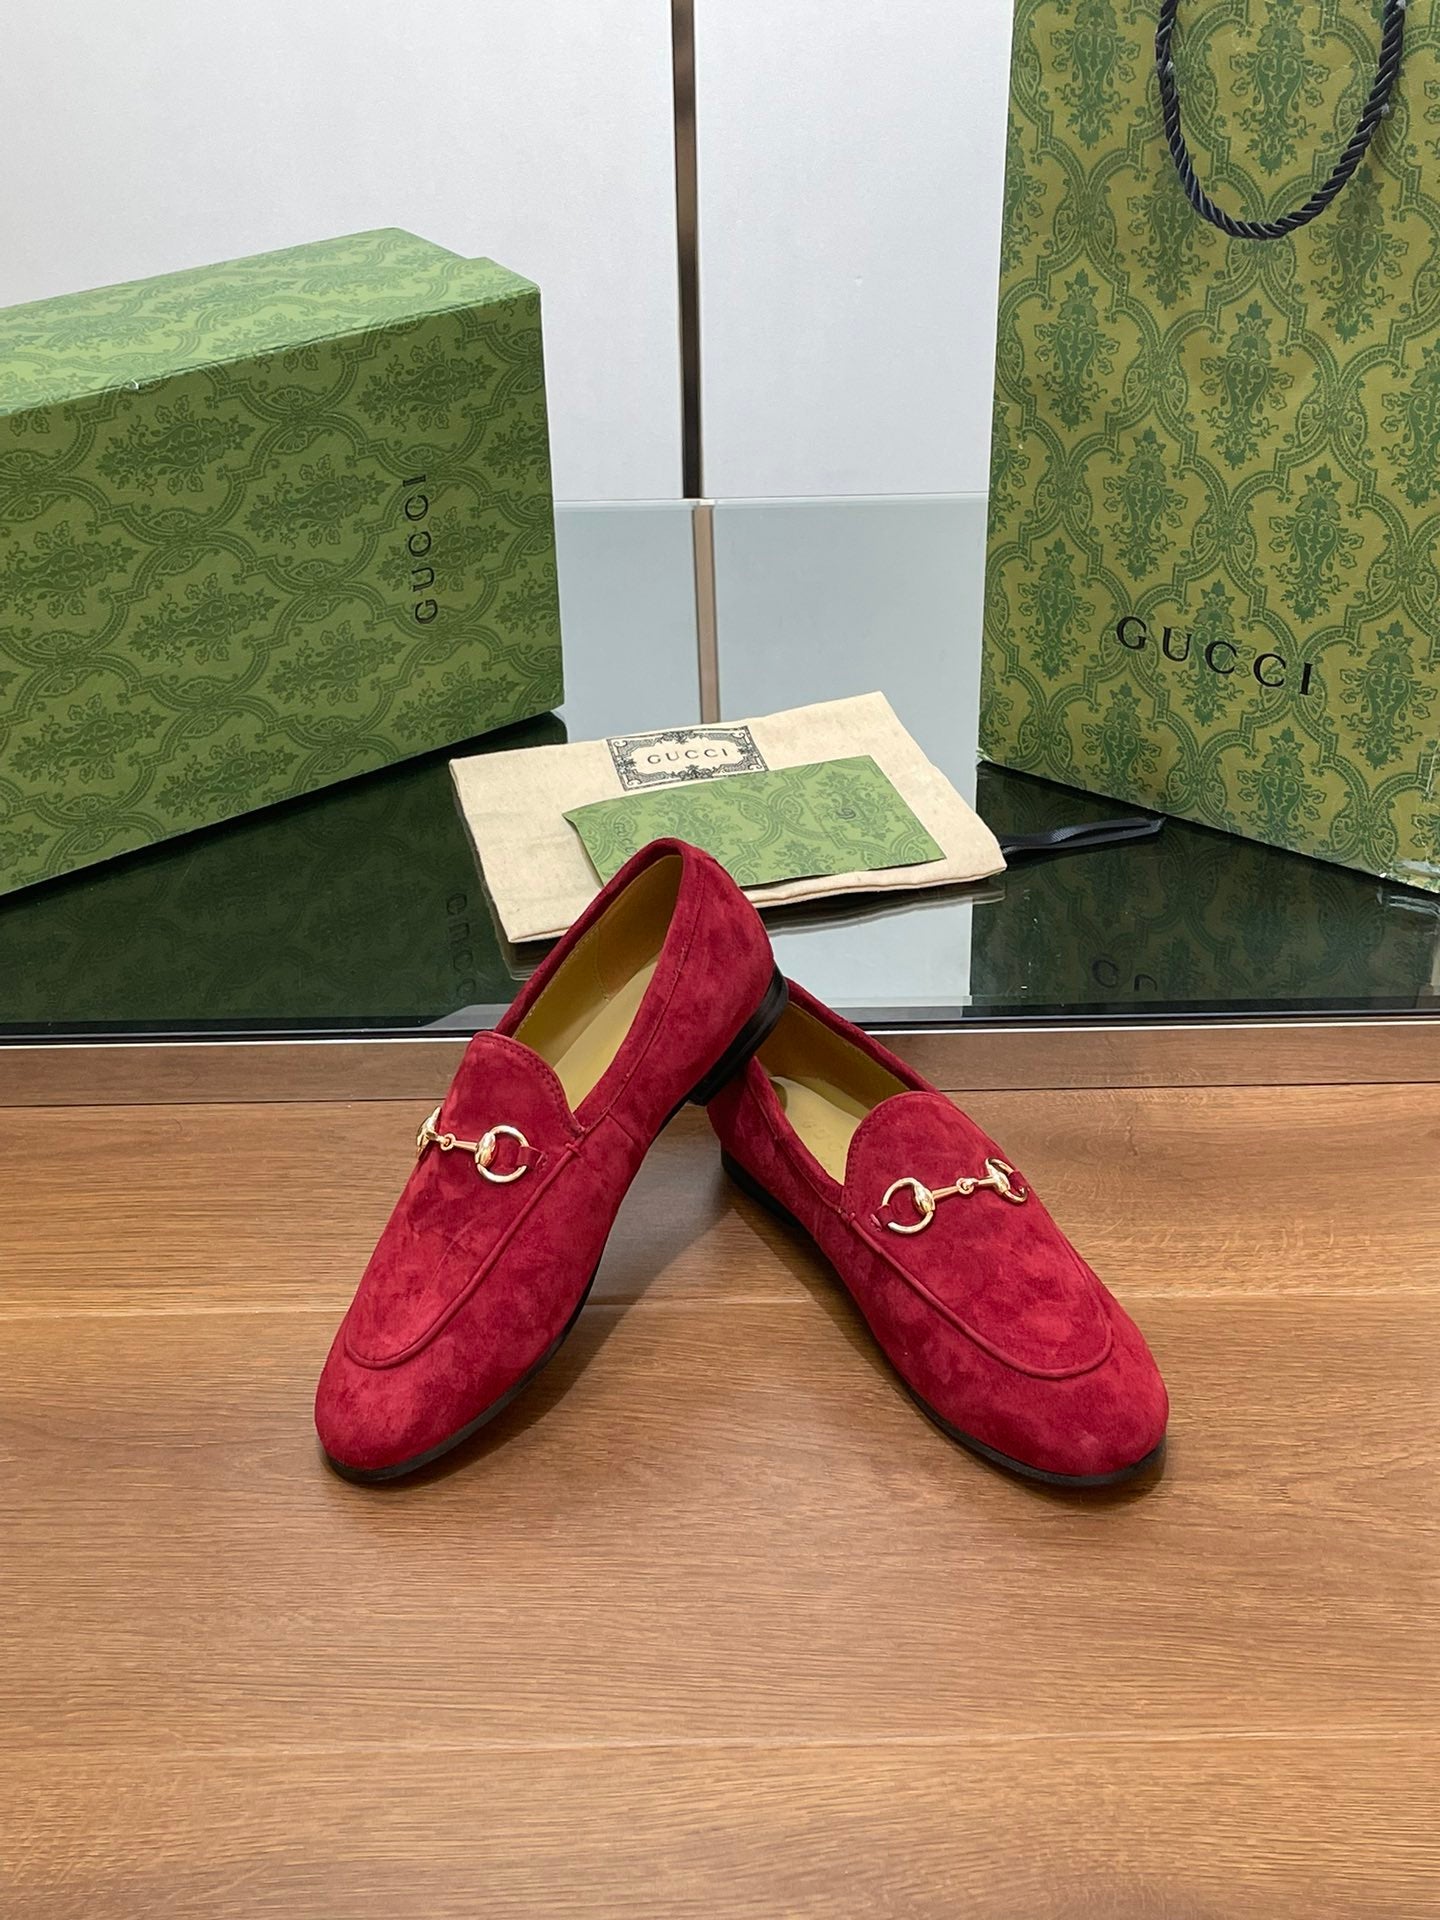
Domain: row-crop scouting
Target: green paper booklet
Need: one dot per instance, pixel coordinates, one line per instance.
(834, 816)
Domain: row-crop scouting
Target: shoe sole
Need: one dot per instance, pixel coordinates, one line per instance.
(750, 1037)
(751, 1187)
(376, 1476)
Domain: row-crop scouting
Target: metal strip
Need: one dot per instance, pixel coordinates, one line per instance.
(687, 243)
(971, 1058)
(1228, 1053)
(707, 622)
(692, 437)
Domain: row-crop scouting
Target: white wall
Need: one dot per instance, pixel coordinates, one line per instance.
(139, 136)
(851, 154)
(851, 169)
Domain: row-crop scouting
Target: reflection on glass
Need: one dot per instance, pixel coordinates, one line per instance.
(1190, 920)
(361, 910)
(358, 906)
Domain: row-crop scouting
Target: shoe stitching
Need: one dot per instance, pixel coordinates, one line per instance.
(644, 1046)
(444, 1315)
(848, 1217)
(949, 1315)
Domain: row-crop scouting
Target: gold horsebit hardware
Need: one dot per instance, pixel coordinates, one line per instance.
(483, 1149)
(996, 1179)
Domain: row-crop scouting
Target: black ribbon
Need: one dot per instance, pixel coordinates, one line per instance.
(1081, 837)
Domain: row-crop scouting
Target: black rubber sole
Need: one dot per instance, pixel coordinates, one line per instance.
(750, 1186)
(751, 1036)
(377, 1476)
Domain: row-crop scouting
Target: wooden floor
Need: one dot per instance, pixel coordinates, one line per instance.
(712, 1623)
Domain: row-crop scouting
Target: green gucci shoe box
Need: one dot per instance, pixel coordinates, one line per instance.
(264, 526)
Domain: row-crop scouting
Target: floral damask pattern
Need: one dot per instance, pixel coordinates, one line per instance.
(1313, 545)
(1095, 59)
(1412, 416)
(1008, 465)
(1076, 351)
(528, 609)
(461, 545)
(1119, 741)
(1386, 696)
(202, 623)
(1355, 254)
(335, 668)
(1277, 79)
(425, 386)
(829, 817)
(520, 451)
(175, 448)
(461, 703)
(221, 782)
(58, 568)
(322, 507)
(1214, 567)
(1172, 245)
(1146, 508)
(1206, 695)
(1023, 196)
(1280, 796)
(1056, 609)
(1246, 386)
(90, 741)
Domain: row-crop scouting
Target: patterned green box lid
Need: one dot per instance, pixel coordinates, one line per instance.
(144, 330)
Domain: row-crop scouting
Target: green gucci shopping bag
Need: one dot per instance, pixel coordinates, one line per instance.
(1213, 584)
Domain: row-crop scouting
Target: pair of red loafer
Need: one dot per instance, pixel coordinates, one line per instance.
(664, 991)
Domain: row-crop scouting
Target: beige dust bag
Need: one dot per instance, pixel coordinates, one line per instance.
(536, 868)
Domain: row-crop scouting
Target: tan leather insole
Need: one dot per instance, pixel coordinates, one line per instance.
(824, 1116)
(590, 1048)
(580, 1021)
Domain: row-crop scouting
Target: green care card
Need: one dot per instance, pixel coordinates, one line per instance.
(793, 823)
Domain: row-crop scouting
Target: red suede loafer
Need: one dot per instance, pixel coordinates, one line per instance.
(658, 994)
(994, 1323)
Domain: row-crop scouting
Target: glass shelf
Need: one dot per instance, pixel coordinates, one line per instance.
(359, 912)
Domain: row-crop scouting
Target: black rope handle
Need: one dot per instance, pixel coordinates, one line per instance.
(1392, 41)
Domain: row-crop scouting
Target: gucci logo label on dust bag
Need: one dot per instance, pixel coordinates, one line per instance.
(1219, 655)
(418, 543)
(684, 753)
